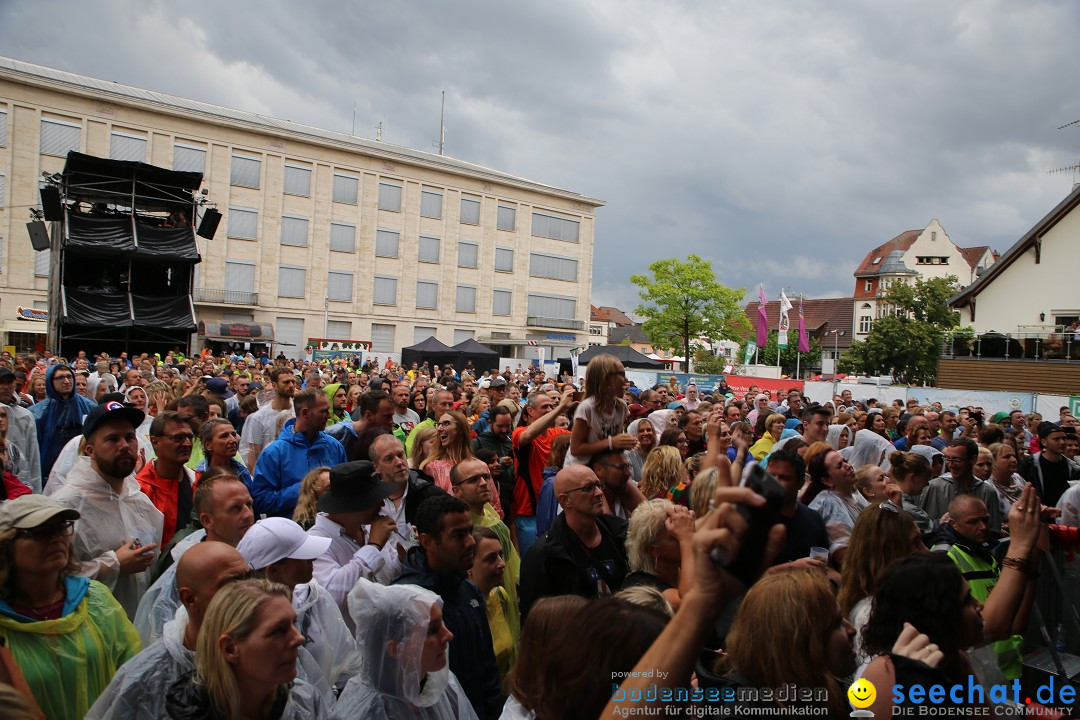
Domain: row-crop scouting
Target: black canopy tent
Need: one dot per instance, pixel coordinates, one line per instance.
(628, 356)
(432, 351)
(481, 357)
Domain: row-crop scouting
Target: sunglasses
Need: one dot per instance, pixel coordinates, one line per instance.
(47, 532)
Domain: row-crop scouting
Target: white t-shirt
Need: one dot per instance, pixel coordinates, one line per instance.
(601, 426)
(406, 420)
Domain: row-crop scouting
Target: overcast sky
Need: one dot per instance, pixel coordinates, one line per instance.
(782, 140)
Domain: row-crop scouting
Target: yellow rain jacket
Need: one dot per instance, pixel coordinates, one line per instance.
(69, 662)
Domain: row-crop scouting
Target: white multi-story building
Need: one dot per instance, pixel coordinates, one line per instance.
(324, 235)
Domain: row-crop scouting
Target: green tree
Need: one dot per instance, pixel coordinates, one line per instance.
(906, 342)
(789, 354)
(684, 301)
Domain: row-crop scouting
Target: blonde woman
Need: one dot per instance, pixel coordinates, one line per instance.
(312, 487)
(423, 445)
(453, 446)
(245, 660)
(663, 470)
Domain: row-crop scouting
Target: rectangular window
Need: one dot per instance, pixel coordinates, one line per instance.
(339, 329)
(345, 189)
(124, 146)
(339, 286)
(3, 191)
(386, 243)
(461, 336)
(3, 128)
(501, 302)
(556, 228)
(430, 204)
(382, 338)
(466, 298)
(289, 332)
(385, 291)
(504, 260)
(245, 171)
(41, 263)
(294, 230)
(239, 276)
(427, 294)
(864, 324)
(429, 249)
(188, 158)
(59, 137)
(297, 180)
(243, 224)
(342, 237)
(507, 218)
(470, 211)
(292, 281)
(389, 197)
(421, 334)
(555, 268)
(467, 254)
(552, 306)
(869, 286)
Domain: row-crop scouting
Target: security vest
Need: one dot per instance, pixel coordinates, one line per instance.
(981, 576)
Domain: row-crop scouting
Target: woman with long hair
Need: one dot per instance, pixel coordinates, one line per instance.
(68, 634)
(403, 643)
(1004, 478)
(789, 629)
(526, 683)
(600, 418)
(312, 487)
(676, 438)
(832, 495)
(875, 422)
(454, 445)
(663, 470)
(425, 437)
(245, 660)
(418, 403)
(643, 430)
(488, 572)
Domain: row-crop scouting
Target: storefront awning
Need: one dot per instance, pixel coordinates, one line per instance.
(38, 327)
(237, 332)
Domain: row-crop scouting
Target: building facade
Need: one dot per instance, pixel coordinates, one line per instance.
(324, 234)
(927, 253)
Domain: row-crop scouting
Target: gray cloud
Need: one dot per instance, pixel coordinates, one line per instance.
(779, 140)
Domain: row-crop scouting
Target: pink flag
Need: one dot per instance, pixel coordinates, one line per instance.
(762, 320)
(804, 342)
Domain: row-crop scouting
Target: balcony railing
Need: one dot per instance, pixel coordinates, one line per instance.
(560, 323)
(226, 297)
(1062, 345)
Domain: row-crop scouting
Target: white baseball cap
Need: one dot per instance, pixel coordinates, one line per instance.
(277, 538)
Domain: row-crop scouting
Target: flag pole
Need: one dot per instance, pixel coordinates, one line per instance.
(780, 322)
(798, 342)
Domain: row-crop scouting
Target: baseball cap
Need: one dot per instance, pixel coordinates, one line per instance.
(498, 381)
(219, 386)
(111, 410)
(29, 511)
(1048, 428)
(277, 538)
(6, 373)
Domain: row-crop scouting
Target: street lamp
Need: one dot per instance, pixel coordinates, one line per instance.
(836, 352)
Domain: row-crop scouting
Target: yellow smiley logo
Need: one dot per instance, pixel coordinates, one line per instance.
(862, 693)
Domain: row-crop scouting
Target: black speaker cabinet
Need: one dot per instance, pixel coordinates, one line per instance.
(39, 235)
(50, 203)
(209, 224)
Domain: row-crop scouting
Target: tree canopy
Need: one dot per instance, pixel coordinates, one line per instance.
(906, 341)
(684, 301)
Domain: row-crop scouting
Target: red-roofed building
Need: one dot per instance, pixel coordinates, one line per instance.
(604, 319)
(926, 253)
(828, 320)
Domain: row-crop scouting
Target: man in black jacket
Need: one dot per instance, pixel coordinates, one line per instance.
(584, 552)
(440, 563)
(388, 456)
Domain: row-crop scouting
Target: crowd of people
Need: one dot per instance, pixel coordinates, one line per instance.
(238, 537)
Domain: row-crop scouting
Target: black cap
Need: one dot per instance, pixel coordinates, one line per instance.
(1048, 428)
(5, 373)
(354, 486)
(112, 410)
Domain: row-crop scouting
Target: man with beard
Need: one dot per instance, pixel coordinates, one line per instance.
(117, 534)
(404, 416)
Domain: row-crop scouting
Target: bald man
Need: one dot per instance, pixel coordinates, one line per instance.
(584, 552)
(139, 687)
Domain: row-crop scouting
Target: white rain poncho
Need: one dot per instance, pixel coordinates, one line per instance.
(394, 687)
(327, 636)
(158, 606)
(70, 453)
(108, 521)
(139, 687)
(869, 448)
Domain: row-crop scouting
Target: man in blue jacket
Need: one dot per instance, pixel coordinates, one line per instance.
(440, 563)
(301, 447)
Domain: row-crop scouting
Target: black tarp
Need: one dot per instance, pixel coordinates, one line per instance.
(109, 233)
(482, 358)
(92, 178)
(431, 350)
(167, 313)
(96, 309)
(165, 243)
(627, 355)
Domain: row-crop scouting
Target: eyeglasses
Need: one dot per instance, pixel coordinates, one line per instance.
(180, 438)
(48, 532)
(445, 423)
(588, 488)
(475, 479)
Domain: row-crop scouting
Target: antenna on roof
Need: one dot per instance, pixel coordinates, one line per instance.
(441, 144)
(378, 132)
(353, 118)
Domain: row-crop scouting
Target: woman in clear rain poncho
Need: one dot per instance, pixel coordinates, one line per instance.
(403, 642)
